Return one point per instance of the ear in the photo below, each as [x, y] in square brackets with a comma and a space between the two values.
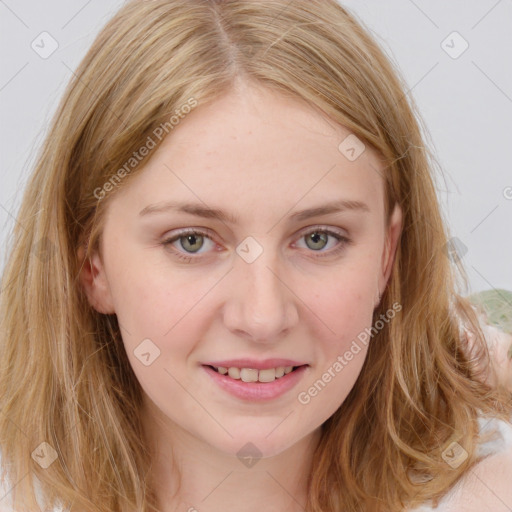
[94, 282]
[392, 237]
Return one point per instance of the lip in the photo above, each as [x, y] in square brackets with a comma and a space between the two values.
[257, 391]
[255, 364]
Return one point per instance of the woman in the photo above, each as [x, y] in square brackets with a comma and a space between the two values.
[230, 287]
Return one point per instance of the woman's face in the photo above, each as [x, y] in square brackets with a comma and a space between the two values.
[253, 240]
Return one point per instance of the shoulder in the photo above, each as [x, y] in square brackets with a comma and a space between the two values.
[486, 486]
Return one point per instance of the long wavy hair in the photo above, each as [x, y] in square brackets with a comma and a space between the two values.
[65, 378]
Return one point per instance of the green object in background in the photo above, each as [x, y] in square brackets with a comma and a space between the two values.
[497, 305]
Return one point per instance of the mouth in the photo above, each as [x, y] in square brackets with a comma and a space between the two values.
[254, 375]
[270, 380]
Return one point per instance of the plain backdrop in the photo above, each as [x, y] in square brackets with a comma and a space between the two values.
[455, 57]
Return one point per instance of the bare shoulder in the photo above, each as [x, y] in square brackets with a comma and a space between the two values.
[485, 487]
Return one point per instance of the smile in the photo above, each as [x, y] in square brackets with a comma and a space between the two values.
[270, 379]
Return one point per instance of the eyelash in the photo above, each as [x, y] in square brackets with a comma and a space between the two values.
[344, 241]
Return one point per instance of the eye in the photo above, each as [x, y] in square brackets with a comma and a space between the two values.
[190, 241]
[318, 238]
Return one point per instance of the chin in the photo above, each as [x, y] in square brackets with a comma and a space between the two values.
[257, 444]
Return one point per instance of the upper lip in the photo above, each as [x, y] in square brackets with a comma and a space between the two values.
[254, 363]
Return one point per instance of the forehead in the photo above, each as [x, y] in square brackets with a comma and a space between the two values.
[254, 148]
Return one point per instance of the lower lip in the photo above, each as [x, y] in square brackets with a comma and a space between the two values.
[257, 391]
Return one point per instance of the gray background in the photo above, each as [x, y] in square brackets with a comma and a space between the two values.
[466, 103]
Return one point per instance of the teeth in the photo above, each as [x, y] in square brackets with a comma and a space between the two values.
[234, 373]
[253, 375]
[267, 375]
[248, 374]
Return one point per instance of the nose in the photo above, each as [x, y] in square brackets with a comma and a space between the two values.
[261, 306]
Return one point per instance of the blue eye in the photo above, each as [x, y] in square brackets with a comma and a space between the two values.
[188, 242]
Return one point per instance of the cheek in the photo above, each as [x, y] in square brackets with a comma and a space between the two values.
[153, 300]
[345, 313]
[344, 302]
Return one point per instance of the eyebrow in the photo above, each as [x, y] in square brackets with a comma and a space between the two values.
[200, 210]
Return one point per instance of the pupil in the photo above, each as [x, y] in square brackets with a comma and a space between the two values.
[192, 240]
[318, 238]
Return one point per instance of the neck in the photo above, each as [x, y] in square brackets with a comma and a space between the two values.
[189, 475]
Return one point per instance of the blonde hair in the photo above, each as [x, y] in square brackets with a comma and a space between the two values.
[66, 379]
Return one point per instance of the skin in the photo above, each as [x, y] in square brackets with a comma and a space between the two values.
[261, 157]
